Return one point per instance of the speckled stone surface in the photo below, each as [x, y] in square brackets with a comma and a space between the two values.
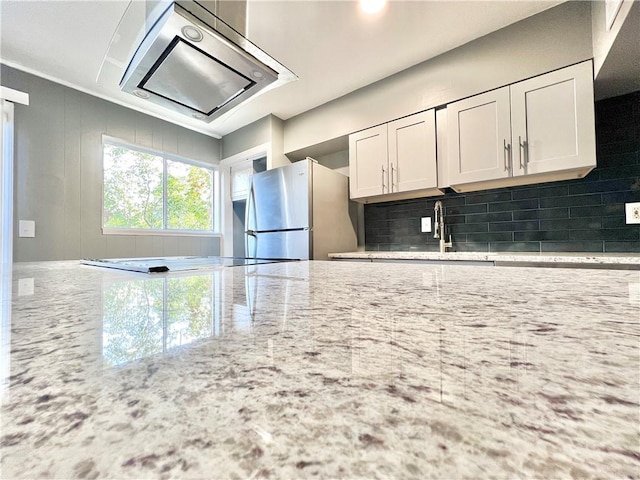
[321, 370]
[613, 260]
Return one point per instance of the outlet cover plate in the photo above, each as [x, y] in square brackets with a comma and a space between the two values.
[27, 228]
[425, 224]
[632, 212]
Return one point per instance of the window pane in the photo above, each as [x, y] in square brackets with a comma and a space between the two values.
[132, 188]
[189, 197]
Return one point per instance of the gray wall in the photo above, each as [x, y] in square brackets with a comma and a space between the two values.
[338, 161]
[277, 155]
[552, 39]
[58, 172]
[604, 39]
[247, 137]
[617, 51]
[268, 130]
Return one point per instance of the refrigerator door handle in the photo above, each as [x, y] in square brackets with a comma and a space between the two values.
[247, 217]
[253, 233]
[255, 247]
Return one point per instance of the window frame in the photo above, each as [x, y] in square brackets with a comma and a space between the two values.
[166, 156]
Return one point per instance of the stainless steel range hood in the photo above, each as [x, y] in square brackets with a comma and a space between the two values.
[193, 62]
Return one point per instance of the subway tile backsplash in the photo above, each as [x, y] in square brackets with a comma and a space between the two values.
[582, 215]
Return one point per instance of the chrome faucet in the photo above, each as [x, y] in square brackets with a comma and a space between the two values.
[439, 227]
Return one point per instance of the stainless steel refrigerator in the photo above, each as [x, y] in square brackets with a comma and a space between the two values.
[299, 211]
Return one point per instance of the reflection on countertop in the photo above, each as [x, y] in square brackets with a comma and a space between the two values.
[328, 369]
[617, 261]
[150, 316]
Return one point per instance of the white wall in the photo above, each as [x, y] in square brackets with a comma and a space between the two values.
[552, 39]
[58, 172]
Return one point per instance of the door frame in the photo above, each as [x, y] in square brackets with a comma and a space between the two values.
[226, 217]
[8, 97]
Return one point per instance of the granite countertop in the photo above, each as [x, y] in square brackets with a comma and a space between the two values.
[320, 369]
[612, 260]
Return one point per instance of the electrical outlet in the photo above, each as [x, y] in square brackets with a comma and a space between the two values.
[27, 228]
[425, 224]
[632, 212]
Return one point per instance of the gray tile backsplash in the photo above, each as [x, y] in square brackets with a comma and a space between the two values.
[582, 215]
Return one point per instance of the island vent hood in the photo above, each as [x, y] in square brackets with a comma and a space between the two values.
[198, 63]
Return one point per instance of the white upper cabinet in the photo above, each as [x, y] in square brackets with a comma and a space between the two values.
[394, 161]
[368, 164]
[412, 152]
[241, 175]
[553, 121]
[480, 134]
[537, 130]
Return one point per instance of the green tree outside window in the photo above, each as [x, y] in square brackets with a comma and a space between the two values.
[135, 198]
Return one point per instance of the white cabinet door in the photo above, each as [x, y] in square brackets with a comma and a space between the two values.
[241, 175]
[553, 121]
[480, 136]
[368, 166]
[412, 152]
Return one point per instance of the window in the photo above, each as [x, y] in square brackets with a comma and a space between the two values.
[152, 192]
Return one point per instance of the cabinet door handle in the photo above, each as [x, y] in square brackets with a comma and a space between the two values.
[383, 185]
[520, 149]
[393, 184]
[507, 148]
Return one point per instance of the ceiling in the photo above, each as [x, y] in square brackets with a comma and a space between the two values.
[332, 46]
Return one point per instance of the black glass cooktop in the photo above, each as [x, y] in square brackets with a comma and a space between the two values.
[175, 264]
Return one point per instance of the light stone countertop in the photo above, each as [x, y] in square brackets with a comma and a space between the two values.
[602, 260]
[320, 370]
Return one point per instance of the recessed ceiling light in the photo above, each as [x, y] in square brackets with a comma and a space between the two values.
[192, 33]
[372, 6]
[199, 116]
[257, 74]
[141, 94]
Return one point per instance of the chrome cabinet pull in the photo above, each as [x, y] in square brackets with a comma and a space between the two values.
[507, 149]
[393, 184]
[520, 149]
[383, 185]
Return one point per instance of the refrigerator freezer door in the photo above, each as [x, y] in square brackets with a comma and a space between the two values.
[280, 199]
[295, 244]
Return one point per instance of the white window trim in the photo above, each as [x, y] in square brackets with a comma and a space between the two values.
[158, 232]
[176, 158]
[156, 152]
